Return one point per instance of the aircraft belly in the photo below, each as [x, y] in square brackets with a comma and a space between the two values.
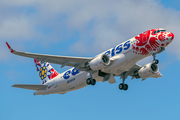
[62, 86]
[79, 81]
[45, 92]
[119, 70]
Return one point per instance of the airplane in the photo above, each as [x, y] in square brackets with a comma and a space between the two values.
[121, 60]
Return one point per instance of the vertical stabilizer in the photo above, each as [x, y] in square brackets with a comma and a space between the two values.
[45, 71]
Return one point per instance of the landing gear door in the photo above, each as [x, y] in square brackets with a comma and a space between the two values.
[111, 79]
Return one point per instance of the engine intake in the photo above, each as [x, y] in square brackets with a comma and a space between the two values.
[99, 62]
[148, 70]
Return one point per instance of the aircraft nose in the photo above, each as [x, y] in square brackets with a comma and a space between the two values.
[170, 36]
[166, 38]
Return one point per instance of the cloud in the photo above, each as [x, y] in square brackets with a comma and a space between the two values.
[15, 28]
[17, 2]
[101, 24]
[114, 22]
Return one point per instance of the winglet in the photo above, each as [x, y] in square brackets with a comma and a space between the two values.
[10, 48]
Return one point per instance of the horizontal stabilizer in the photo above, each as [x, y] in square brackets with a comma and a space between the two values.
[31, 87]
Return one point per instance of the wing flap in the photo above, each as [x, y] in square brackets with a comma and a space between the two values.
[31, 87]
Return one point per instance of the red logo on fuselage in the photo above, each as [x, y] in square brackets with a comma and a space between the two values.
[151, 40]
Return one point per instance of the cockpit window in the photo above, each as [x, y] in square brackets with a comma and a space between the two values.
[157, 31]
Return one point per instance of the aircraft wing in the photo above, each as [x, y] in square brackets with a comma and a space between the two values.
[31, 87]
[62, 60]
[131, 71]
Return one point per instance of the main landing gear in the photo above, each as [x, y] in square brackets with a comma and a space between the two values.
[123, 86]
[155, 61]
[91, 81]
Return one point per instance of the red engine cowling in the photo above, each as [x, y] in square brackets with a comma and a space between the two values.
[99, 62]
[148, 70]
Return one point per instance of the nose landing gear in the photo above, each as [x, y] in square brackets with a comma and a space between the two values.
[155, 61]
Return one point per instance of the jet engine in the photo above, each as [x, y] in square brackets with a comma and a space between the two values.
[148, 70]
[99, 62]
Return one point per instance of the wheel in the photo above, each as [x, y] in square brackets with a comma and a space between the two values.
[93, 82]
[125, 86]
[88, 81]
[156, 61]
[121, 86]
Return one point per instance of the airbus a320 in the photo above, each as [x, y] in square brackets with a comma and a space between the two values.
[121, 60]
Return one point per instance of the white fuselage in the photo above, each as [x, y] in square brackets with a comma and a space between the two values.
[123, 57]
[69, 81]
[118, 61]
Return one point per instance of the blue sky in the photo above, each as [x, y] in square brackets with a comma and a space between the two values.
[86, 28]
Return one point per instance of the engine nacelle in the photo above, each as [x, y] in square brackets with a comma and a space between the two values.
[148, 70]
[99, 62]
